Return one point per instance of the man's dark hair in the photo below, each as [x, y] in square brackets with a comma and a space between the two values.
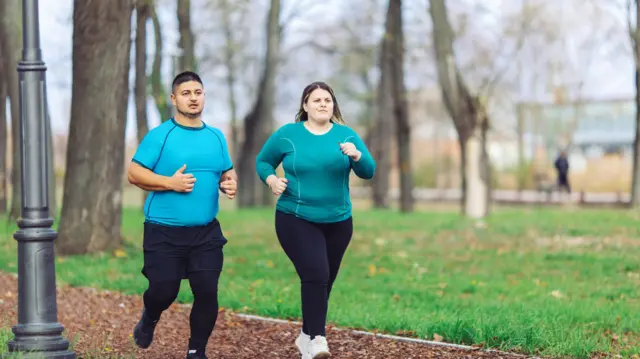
[185, 77]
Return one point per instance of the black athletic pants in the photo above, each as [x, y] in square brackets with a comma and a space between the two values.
[316, 250]
[175, 253]
[563, 182]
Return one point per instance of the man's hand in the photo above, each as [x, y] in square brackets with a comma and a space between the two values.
[181, 182]
[229, 186]
[350, 150]
[277, 185]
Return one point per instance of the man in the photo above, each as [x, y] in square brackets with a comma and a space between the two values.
[182, 163]
[562, 167]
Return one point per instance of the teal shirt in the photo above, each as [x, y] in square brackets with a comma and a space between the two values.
[204, 150]
[317, 170]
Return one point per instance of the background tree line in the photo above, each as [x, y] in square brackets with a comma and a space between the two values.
[373, 52]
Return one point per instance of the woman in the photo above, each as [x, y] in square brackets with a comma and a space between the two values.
[313, 214]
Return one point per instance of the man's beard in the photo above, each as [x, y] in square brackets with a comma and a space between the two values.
[186, 114]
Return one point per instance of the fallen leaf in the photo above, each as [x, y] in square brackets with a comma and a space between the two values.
[372, 270]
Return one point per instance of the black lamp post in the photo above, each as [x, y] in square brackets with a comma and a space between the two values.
[38, 333]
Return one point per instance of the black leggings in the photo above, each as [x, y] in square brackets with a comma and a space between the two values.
[204, 285]
[316, 250]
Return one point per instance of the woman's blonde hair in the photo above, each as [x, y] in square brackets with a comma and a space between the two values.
[302, 114]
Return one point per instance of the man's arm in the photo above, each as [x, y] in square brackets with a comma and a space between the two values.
[147, 180]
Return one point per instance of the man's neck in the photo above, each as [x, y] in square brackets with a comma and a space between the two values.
[188, 121]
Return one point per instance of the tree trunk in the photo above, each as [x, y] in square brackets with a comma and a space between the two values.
[187, 59]
[258, 124]
[521, 172]
[11, 38]
[400, 106]
[157, 87]
[229, 52]
[477, 172]
[92, 205]
[3, 140]
[468, 115]
[142, 15]
[385, 125]
[635, 180]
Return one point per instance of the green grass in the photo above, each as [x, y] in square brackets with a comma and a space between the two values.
[5, 336]
[546, 281]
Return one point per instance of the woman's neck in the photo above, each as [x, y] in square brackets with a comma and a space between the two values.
[318, 128]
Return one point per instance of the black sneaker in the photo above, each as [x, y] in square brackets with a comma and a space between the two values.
[143, 332]
[196, 354]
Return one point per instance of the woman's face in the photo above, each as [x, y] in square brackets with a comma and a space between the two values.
[319, 106]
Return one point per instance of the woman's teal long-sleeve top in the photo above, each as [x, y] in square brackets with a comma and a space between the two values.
[316, 169]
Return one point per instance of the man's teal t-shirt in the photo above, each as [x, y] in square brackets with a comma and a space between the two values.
[317, 170]
[205, 152]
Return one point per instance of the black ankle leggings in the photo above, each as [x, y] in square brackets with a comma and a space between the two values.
[316, 250]
[204, 285]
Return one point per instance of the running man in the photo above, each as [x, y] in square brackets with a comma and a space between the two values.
[183, 163]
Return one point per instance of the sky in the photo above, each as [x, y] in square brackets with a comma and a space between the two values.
[608, 77]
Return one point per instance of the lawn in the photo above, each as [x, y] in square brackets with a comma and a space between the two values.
[5, 336]
[557, 282]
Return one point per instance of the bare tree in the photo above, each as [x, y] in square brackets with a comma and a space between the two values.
[3, 139]
[385, 124]
[355, 50]
[393, 112]
[160, 96]
[11, 41]
[231, 55]
[92, 204]
[634, 32]
[468, 114]
[400, 104]
[232, 72]
[186, 43]
[258, 124]
[143, 8]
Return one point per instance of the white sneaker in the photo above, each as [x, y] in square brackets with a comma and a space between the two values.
[303, 342]
[318, 348]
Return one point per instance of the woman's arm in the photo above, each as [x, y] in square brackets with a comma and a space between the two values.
[269, 158]
[365, 166]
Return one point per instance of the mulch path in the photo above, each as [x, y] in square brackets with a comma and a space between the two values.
[100, 324]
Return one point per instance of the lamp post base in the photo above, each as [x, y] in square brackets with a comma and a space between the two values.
[40, 355]
[42, 341]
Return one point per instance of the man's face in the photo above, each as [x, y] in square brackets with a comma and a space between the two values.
[188, 98]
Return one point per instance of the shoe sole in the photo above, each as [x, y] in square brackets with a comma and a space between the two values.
[323, 355]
